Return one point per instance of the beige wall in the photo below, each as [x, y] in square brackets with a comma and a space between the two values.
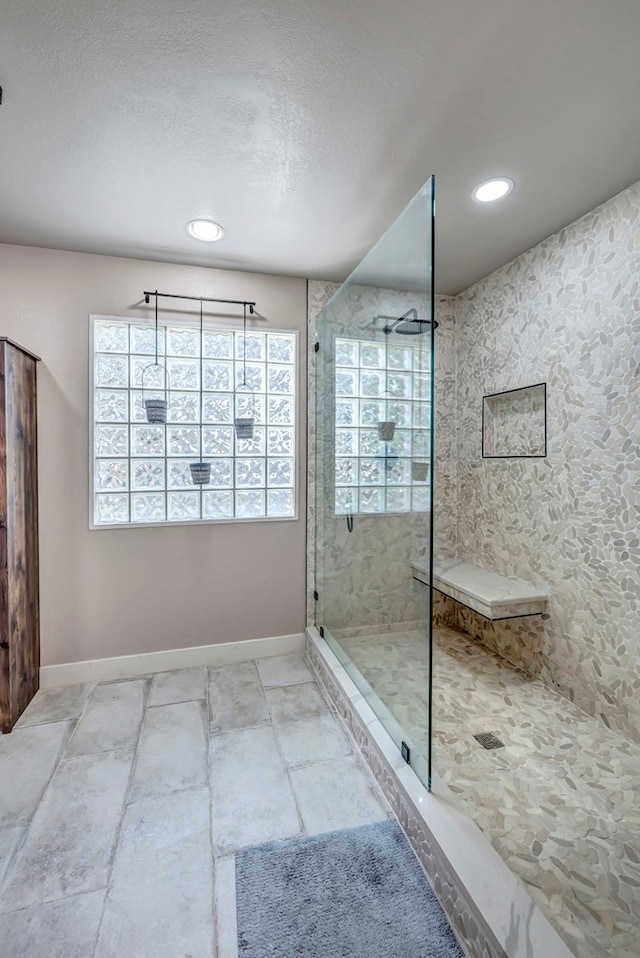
[114, 592]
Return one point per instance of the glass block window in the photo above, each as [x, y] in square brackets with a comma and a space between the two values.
[382, 427]
[140, 470]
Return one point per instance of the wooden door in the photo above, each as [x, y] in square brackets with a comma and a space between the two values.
[5, 687]
[19, 573]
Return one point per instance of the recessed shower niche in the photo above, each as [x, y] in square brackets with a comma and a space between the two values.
[514, 423]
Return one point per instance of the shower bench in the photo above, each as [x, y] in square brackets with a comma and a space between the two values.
[492, 595]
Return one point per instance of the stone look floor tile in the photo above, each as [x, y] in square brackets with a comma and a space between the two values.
[10, 839]
[183, 685]
[28, 757]
[226, 923]
[111, 720]
[69, 844]
[284, 670]
[295, 702]
[160, 899]
[172, 753]
[59, 929]
[55, 705]
[251, 796]
[313, 740]
[236, 698]
[306, 729]
[336, 794]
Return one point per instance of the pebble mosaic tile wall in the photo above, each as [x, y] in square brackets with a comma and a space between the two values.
[446, 448]
[567, 312]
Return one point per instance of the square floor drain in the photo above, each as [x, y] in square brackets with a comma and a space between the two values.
[488, 740]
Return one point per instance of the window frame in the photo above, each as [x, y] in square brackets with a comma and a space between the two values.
[232, 327]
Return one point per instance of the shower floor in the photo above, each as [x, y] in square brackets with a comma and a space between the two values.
[560, 802]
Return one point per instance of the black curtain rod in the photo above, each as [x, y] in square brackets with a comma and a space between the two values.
[199, 299]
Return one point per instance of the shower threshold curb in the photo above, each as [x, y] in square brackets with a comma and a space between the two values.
[490, 911]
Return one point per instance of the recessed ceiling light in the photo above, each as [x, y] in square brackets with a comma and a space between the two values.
[492, 190]
[205, 230]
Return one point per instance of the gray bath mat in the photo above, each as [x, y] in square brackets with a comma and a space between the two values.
[357, 893]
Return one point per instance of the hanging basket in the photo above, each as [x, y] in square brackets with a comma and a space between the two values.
[200, 473]
[419, 471]
[386, 431]
[244, 427]
[156, 409]
[386, 427]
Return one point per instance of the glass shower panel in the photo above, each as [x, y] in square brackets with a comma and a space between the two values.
[374, 414]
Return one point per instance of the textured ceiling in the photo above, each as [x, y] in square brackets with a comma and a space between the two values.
[305, 126]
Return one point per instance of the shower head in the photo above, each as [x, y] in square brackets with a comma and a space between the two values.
[407, 325]
[410, 327]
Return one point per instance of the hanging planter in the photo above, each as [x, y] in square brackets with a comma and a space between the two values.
[200, 473]
[244, 425]
[419, 471]
[156, 408]
[386, 427]
[386, 431]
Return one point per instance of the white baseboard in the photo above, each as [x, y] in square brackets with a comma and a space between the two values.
[129, 666]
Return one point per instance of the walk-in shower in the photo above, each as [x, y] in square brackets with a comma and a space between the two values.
[494, 685]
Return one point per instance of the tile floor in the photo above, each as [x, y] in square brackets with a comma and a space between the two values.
[122, 805]
[560, 802]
